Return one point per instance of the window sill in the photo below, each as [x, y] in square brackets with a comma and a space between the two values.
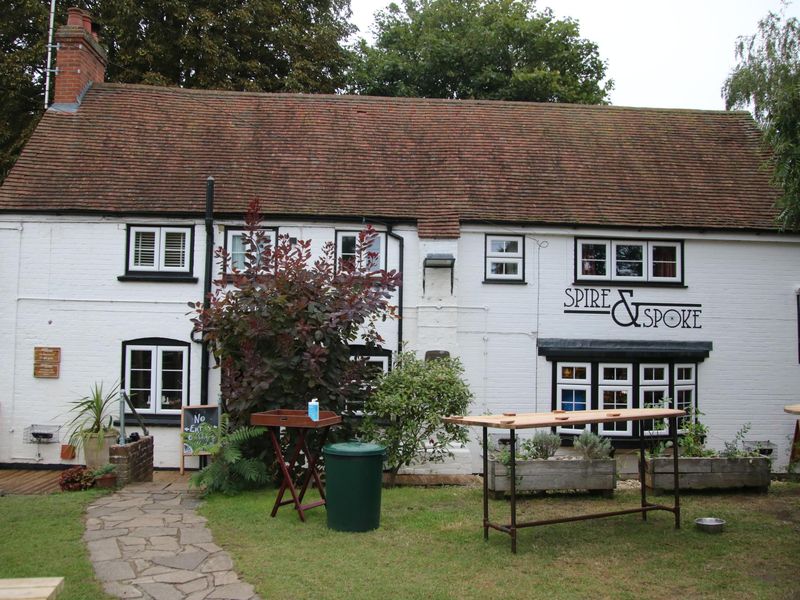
[629, 284]
[150, 419]
[160, 277]
[505, 281]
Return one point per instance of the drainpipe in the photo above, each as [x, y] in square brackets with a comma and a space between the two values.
[207, 282]
[400, 241]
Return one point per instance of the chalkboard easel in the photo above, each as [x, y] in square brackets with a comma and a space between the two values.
[191, 418]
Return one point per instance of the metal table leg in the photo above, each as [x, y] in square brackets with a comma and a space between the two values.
[673, 428]
[485, 484]
[513, 529]
[642, 467]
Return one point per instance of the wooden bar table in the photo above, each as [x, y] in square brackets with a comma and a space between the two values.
[514, 421]
[296, 423]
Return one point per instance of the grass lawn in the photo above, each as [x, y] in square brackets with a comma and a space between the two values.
[430, 545]
[41, 536]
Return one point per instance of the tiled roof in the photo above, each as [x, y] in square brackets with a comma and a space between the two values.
[148, 150]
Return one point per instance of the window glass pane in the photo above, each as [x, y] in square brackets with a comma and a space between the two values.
[684, 373]
[615, 373]
[654, 374]
[593, 259]
[665, 261]
[653, 398]
[615, 400]
[578, 373]
[141, 359]
[236, 251]
[630, 260]
[140, 379]
[171, 399]
[573, 399]
[504, 246]
[172, 359]
[140, 398]
[504, 268]
[171, 380]
[174, 249]
[348, 245]
[144, 249]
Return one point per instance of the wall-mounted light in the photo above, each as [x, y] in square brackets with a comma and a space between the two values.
[438, 261]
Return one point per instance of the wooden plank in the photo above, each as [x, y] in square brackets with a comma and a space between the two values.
[31, 588]
[562, 418]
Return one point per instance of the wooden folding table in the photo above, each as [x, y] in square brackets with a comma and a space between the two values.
[514, 421]
[297, 423]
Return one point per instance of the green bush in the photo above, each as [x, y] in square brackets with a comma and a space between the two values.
[591, 446]
[405, 411]
[544, 444]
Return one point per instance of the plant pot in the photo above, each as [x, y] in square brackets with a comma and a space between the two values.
[67, 451]
[709, 473]
[540, 475]
[95, 448]
[107, 481]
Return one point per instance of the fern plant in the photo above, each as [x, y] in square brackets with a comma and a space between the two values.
[592, 446]
[229, 471]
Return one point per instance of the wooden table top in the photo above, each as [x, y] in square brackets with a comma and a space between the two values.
[33, 588]
[793, 409]
[562, 418]
[294, 418]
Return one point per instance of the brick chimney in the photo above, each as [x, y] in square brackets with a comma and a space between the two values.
[80, 59]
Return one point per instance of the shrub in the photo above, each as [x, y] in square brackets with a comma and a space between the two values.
[592, 446]
[544, 444]
[405, 411]
[75, 479]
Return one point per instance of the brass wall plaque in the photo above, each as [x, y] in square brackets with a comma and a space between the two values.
[46, 362]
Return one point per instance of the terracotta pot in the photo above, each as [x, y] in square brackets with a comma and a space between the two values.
[67, 451]
[107, 481]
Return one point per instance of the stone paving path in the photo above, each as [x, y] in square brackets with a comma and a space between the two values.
[146, 541]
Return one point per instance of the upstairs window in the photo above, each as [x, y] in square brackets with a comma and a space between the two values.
[505, 258]
[629, 261]
[237, 246]
[159, 249]
[347, 244]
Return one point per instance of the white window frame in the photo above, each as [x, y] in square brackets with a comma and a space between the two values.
[379, 239]
[611, 260]
[666, 403]
[644, 382]
[645, 261]
[579, 274]
[233, 232]
[575, 380]
[515, 258]
[678, 261]
[159, 253]
[155, 376]
[685, 385]
[575, 383]
[615, 382]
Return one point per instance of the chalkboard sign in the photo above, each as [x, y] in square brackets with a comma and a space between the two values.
[191, 419]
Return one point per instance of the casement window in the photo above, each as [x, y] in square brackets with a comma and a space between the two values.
[505, 258]
[654, 393]
[346, 250]
[573, 390]
[615, 388]
[379, 362]
[628, 261]
[159, 249]
[237, 247]
[156, 376]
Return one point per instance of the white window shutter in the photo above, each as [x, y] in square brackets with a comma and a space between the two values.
[144, 248]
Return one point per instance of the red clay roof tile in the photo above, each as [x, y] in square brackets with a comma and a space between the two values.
[148, 150]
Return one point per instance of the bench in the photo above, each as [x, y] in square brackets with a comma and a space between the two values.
[31, 588]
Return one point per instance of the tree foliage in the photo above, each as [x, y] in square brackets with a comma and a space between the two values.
[767, 80]
[252, 45]
[281, 327]
[405, 411]
[491, 49]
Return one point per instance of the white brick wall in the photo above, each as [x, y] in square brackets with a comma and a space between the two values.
[61, 289]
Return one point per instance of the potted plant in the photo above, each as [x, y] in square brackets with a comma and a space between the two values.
[105, 477]
[91, 427]
[68, 451]
[538, 469]
[75, 479]
[700, 468]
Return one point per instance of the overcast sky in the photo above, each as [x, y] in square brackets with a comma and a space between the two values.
[660, 53]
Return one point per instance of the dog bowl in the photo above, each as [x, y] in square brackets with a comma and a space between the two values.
[710, 524]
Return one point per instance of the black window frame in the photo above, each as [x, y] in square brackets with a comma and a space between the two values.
[578, 279]
[160, 276]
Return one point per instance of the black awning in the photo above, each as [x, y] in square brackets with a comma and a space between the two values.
[634, 350]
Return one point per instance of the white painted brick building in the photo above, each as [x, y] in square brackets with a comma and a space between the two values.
[602, 256]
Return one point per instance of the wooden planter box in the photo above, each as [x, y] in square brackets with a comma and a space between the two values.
[540, 475]
[709, 473]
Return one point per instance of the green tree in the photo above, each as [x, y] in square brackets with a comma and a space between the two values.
[490, 49]
[405, 411]
[767, 81]
[252, 45]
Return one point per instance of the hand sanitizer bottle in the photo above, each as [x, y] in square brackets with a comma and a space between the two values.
[313, 410]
